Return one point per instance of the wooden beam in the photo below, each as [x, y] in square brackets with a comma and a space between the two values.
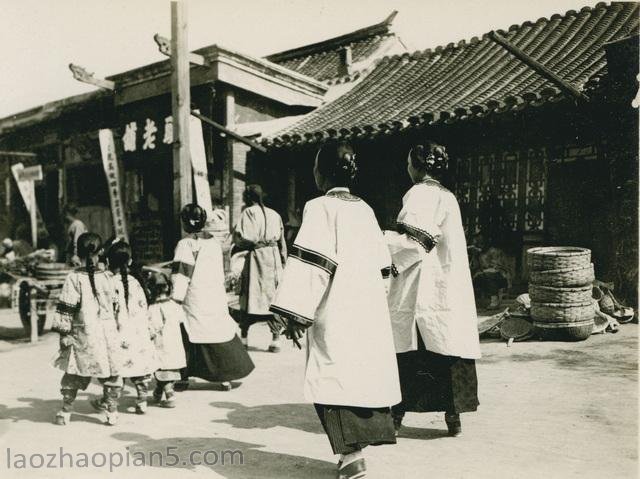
[535, 65]
[228, 132]
[180, 108]
[17, 153]
[164, 45]
[81, 74]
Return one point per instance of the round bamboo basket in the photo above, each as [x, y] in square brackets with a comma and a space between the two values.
[558, 257]
[571, 331]
[563, 278]
[562, 312]
[551, 294]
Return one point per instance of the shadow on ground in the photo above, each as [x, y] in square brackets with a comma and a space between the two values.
[592, 356]
[250, 461]
[13, 334]
[424, 434]
[294, 416]
[44, 410]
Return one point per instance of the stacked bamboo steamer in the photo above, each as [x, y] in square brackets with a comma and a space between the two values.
[560, 288]
[52, 272]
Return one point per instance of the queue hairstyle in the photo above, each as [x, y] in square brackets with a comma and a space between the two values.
[119, 255]
[89, 245]
[337, 162]
[253, 195]
[431, 158]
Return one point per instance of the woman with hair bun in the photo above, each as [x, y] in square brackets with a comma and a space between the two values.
[89, 336]
[333, 288]
[431, 299]
[214, 351]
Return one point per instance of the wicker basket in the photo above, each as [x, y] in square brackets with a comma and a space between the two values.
[550, 294]
[563, 278]
[573, 331]
[563, 312]
[558, 257]
[516, 328]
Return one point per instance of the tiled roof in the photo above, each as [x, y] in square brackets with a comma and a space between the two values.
[322, 60]
[471, 78]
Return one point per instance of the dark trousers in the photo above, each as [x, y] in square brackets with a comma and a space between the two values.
[71, 383]
[432, 382]
[351, 428]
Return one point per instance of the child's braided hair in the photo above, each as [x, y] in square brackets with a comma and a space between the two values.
[119, 256]
[89, 245]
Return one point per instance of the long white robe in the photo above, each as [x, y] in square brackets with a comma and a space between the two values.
[198, 283]
[333, 283]
[432, 290]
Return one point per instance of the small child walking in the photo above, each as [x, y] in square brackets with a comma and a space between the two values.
[132, 313]
[166, 316]
[89, 337]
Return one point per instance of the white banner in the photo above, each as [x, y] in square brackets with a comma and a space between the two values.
[26, 187]
[110, 164]
[27, 190]
[199, 166]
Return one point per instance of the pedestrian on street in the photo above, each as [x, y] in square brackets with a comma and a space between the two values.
[74, 230]
[166, 316]
[259, 233]
[431, 299]
[136, 332]
[214, 351]
[89, 336]
[333, 288]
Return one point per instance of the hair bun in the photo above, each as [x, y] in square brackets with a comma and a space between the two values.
[430, 157]
[347, 162]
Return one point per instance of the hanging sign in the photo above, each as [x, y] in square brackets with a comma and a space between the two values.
[25, 179]
[199, 165]
[110, 164]
[31, 173]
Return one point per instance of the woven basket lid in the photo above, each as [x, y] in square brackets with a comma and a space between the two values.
[517, 328]
[486, 323]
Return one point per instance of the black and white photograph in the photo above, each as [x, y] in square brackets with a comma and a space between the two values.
[319, 239]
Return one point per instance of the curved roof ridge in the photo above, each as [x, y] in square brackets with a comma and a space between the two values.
[414, 89]
[504, 32]
[381, 28]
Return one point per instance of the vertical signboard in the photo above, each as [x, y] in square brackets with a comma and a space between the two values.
[199, 166]
[110, 164]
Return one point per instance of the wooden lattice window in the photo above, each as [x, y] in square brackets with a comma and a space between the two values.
[508, 187]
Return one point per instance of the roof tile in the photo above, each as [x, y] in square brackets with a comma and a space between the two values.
[472, 78]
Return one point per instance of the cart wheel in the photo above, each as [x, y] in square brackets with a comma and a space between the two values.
[24, 306]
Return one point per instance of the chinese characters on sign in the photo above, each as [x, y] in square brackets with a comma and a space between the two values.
[150, 134]
[110, 164]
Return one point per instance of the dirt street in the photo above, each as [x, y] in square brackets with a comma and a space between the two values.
[548, 410]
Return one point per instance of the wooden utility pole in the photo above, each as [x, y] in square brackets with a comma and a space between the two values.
[180, 108]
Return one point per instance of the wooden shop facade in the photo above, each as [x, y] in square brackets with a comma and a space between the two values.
[538, 157]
